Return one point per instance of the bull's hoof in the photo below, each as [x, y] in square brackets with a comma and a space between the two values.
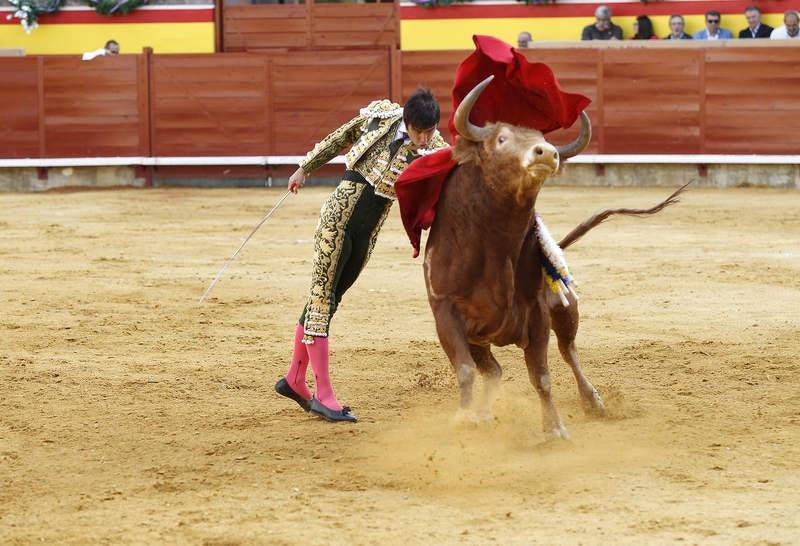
[466, 417]
[557, 433]
[593, 405]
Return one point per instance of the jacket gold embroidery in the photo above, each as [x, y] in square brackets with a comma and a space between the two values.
[369, 135]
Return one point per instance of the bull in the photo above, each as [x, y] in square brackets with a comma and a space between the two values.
[483, 262]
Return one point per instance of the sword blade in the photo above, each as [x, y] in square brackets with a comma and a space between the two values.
[229, 261]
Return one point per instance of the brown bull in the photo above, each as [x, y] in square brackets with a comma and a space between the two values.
[483, 267]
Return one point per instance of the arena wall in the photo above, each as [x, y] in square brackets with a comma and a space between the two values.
[647, 98]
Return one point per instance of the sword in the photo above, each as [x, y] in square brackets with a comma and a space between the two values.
[241, 246]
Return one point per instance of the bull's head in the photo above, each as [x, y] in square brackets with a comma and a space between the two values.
[511, 158]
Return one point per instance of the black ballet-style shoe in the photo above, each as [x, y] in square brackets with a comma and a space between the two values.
[318, 409]
[283, 388]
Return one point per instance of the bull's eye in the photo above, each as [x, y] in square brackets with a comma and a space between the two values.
[501, 139]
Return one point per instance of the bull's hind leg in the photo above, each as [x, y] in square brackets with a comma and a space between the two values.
[565, 325]
[539, 373]
[492, 374]
[450, 329]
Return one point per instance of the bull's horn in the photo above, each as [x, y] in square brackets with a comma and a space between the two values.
[577, 146]
[463, 126]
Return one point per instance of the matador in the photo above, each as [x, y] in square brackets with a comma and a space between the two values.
[384, 138]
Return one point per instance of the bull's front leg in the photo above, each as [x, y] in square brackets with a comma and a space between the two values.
[452, 336]
[539, 373]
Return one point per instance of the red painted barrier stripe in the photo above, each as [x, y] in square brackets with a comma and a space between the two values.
[462, 11]
[72, 17]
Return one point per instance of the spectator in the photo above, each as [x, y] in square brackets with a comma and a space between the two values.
[755, 29]
[790, 28]
[643, 29]
[603, 28]
[713, 30]
[524, 40]
[676, 26]
[111, 48]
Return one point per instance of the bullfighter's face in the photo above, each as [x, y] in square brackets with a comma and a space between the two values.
[421, 137]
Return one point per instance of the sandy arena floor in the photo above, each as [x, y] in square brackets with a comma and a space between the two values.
[131, 414]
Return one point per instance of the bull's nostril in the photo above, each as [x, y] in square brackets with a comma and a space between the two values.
[538, 150]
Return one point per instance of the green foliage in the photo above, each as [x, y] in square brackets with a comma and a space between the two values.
[28, 11]
[115, 7]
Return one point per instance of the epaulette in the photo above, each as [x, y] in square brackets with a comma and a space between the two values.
[382, 109]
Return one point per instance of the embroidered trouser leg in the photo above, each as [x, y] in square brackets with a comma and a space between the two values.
[348, 227]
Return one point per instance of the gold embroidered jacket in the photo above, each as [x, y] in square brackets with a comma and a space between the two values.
[369, 135]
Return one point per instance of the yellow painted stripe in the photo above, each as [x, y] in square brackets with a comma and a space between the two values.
[132, 37]
[439, 34]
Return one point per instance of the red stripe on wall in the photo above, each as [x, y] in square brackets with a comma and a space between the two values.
[138, 16]
[460, 11]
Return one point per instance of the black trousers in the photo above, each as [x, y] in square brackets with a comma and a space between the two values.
[348, 228]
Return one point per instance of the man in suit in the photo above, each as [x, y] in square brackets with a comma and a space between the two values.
[755, 28]
[384, 138]
[676, 26]
[713, 30]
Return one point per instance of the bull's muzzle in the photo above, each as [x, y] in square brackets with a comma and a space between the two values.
[542, 158]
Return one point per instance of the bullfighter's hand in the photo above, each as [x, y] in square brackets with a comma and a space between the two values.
[297, 180]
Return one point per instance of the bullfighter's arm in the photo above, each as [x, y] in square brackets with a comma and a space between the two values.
[331, 145]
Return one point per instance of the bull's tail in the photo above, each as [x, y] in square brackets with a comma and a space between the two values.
[594, 221]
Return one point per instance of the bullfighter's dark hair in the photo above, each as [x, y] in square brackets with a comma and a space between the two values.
[421, 110]
[715, 13]
[108, 43]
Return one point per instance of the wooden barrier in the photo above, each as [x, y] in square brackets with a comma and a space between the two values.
[310, 25]
[266, 104]
[60, 106]
[659, 100]
[19, 107]
[699, 99]
[202, 104]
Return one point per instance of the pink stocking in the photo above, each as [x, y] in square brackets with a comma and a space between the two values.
[296, 376]
[318, 352]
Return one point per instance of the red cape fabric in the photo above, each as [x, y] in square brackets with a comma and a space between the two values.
[418, 191]
[522, 93]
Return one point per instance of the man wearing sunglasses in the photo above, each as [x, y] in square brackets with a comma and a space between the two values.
[713, 30]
